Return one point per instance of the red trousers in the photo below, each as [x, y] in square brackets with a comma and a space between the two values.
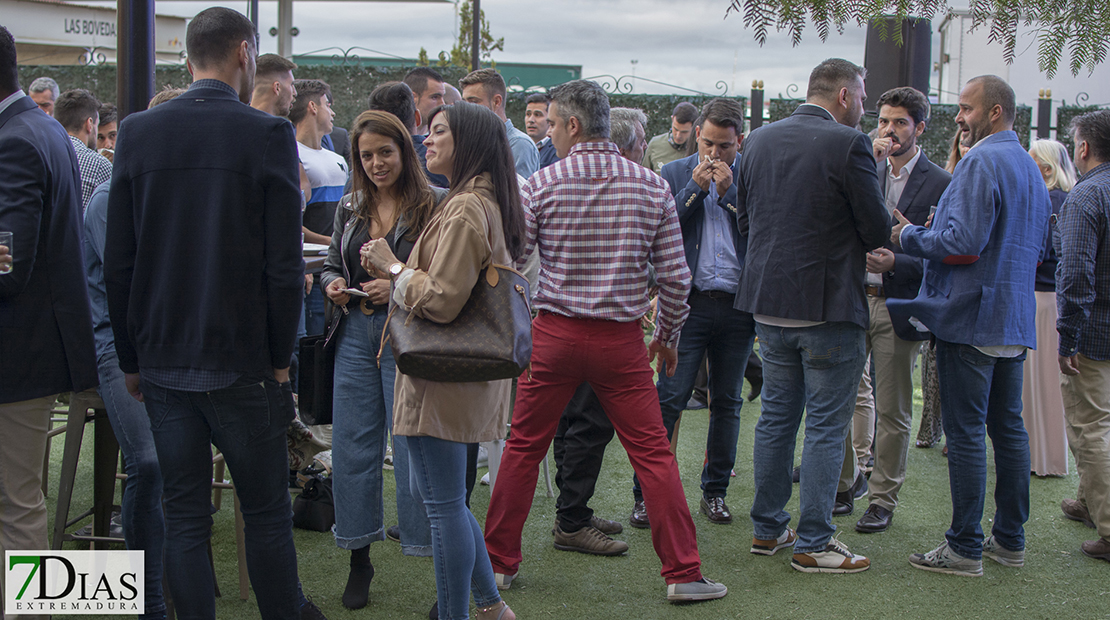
[612, 357]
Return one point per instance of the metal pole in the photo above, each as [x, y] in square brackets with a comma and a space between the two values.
[252, 12]
[756, 104]
[476, 32]
[134, 56]
[285, 28]
[1044, 114]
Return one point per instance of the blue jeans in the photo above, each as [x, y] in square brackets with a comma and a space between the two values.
[815, 369]
[247, 422]
[727, 334]
[314, 309]
[362, 412]
[458, 547]
[981, 395]
[143, 528]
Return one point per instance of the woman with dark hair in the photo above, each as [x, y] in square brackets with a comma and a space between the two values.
[481, 223]
[391, 202]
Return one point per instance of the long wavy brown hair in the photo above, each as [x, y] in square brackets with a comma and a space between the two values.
[416, 202]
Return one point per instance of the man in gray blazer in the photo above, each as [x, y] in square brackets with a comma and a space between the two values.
[809, 203]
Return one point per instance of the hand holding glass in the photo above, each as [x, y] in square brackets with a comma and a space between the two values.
[5, 252]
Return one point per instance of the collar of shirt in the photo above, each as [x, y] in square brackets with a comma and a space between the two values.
[546, 140]
[906, 169]
[593, 147]
[10, 99]
[79, 146]
[217, 84]
[1092, 173]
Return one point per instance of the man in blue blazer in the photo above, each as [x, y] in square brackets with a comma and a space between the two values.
[46, 342]
[809, 203]
[982, 251]
[704, 188]
[204, 278]
[911, 184]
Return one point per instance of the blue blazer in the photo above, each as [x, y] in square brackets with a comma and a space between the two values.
[46, 340]
[689, 199]
[923, 190]
[809, 203]
[982, 249]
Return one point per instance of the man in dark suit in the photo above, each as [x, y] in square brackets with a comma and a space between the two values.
[46, 341]
[204, 280]
[911, 184]
[810, 205]
[704, 188]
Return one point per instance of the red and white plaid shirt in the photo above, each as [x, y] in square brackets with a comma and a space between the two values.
[597, 221]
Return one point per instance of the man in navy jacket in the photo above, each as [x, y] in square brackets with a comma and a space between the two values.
[981, 251]
[204, 279]
[911, 184]
[809, 202]
[704, 188]
[46, 341]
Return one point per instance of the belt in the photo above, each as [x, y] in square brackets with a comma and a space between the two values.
[365, 305]
[713, 294]
[874, 291]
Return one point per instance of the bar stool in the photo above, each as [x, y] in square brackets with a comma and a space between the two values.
[83, 408]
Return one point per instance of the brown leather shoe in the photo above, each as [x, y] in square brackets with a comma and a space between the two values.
[1076, 511]
[605, 526]
[588, 540]
[715, 509]
[1097, 549]
[639, 516]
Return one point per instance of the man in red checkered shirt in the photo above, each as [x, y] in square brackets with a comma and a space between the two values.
[598, 221]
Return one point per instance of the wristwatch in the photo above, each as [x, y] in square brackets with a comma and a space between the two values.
[395, 270]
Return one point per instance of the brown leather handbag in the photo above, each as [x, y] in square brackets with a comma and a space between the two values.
[490, 339]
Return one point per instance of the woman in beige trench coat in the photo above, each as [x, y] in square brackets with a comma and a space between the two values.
[480, 223]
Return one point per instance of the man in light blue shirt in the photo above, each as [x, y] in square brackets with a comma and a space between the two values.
[486, 87]
[704, 187]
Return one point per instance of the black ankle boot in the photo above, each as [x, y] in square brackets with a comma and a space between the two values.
[357, 593]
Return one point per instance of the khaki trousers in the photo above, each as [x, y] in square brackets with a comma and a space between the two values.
[22, 506]
[893, 408]
[1087, 412]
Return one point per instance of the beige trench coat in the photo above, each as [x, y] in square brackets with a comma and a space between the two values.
[463, 238]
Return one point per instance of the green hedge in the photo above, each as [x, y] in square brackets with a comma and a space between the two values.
[351, 85]
[1064, 116]
[937, 139]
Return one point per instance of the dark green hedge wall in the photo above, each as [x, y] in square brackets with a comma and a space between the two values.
[350, 85]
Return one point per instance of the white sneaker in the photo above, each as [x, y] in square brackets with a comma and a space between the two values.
[771, 547]
[485, 480]
[834, 559]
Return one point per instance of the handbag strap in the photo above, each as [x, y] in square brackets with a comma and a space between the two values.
[385, 334]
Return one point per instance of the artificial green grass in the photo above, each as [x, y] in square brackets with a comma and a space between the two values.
[1057, 580]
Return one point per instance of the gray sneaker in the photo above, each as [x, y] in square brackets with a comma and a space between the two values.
[1002, 555]
[944, 560]
[701, 590]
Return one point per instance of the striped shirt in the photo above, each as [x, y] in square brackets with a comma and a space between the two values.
[597, 221]
[1083, 274]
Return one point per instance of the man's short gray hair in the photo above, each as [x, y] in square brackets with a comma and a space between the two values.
[585, 101]
[622, 126]
[43, 84]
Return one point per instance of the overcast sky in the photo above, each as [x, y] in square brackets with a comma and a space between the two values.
[685, 42]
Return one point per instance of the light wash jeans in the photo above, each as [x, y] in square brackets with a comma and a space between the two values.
[362, 413]
[815, 369]
[141, 511]
[458, 548]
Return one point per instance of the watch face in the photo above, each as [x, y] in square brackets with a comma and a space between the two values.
[396, 269]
